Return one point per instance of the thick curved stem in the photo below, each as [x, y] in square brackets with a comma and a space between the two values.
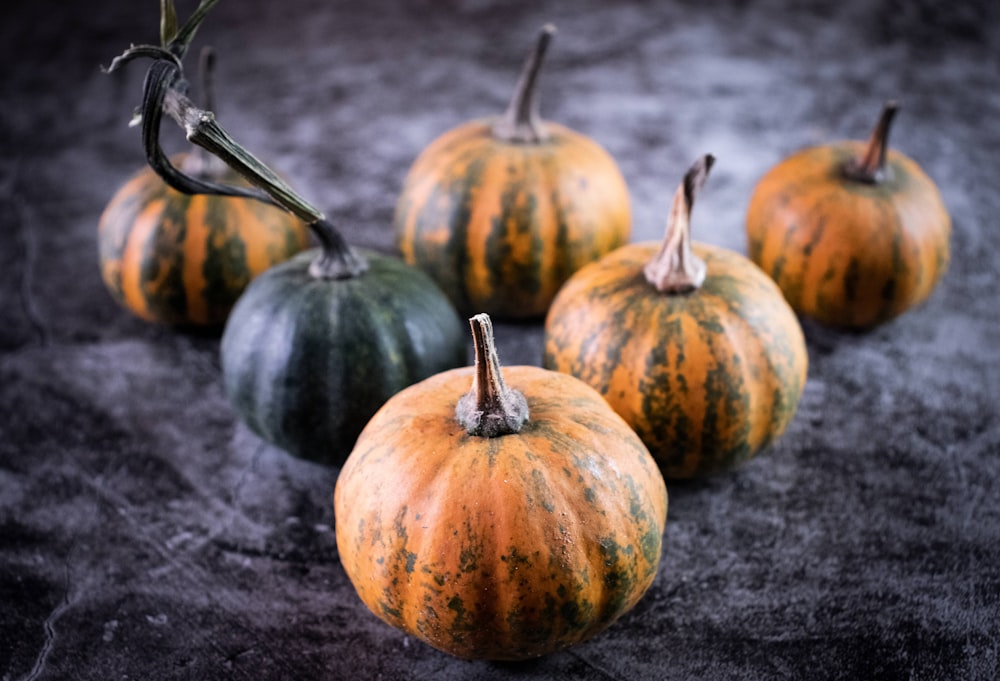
[522, 122]
[337, 260]
[870, 167]
[490, 408]
[675, 268]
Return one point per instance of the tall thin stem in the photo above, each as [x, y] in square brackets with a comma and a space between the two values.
[522, 122]
[870, 167]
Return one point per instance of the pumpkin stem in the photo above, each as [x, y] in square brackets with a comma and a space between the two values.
[521, 123]
[197, 162]
[870, 166]
[164, 92]
[675, 268]
[490, 408]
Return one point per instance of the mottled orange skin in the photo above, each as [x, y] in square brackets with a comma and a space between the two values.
[847, 253]
[706, 378]
[184, 260]
[501, 225]
[500, 548]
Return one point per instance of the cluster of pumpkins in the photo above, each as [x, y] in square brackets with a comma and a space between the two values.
[506, 513]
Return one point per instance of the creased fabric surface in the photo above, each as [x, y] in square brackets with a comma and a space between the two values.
[145, 533]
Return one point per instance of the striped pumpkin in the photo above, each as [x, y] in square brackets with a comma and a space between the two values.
[501, 212]
[499, 542]
[854, 233]
[307, 360]
[184, 260]
[693, 345]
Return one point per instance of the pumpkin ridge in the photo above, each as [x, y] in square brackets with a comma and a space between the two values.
[161, 271]
[762, 377]
[462, 231]
[779, 387]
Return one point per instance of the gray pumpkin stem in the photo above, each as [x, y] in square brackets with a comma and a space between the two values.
[675, 268]
[522, 122]
[870, 167]
[490, 408]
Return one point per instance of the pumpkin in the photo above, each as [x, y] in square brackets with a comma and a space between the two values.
[505, 520]
[307, 360]
[854, 233]
[184, 259]
[501, 211]
[692, 344]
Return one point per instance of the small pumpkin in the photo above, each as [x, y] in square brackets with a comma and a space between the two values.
[501, 211]
[854, 233]
[307, 360]
[183, 259]
[692, 344]
[503, 521]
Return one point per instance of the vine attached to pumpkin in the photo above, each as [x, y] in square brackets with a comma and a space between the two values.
[315, 345]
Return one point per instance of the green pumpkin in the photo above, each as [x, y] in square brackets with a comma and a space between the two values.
[307, 360]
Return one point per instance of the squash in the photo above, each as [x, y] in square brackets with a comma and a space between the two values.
[503, 521]
[182, 259]
[854, 233]
[306, 361]
[501, 211]
[692, 344]
[315, 344]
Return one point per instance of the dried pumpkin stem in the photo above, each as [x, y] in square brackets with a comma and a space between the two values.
[490, 408]
[675, 268]
[521, 122]
[870, 167]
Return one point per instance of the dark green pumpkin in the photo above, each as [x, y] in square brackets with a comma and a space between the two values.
[307, 361]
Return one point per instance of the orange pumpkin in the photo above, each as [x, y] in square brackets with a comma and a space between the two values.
[501, 212]
[692, 344]
[184, 259]
[503, 522]
[853, 233]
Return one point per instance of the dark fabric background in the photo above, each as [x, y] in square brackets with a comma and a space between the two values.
[145, 533]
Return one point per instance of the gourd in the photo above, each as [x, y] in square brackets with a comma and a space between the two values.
[505, 520]
[182, 259]
[316, 344]
[307, 360]
[501, 211]
[692, 344]
[854, 233]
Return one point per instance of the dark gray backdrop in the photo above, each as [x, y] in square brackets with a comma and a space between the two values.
[146, 534]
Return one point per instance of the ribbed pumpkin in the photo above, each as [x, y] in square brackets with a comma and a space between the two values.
[184, 260]
[691, 343]
[306, 360]
[853, 233]
[501, 211]
[505, 521]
